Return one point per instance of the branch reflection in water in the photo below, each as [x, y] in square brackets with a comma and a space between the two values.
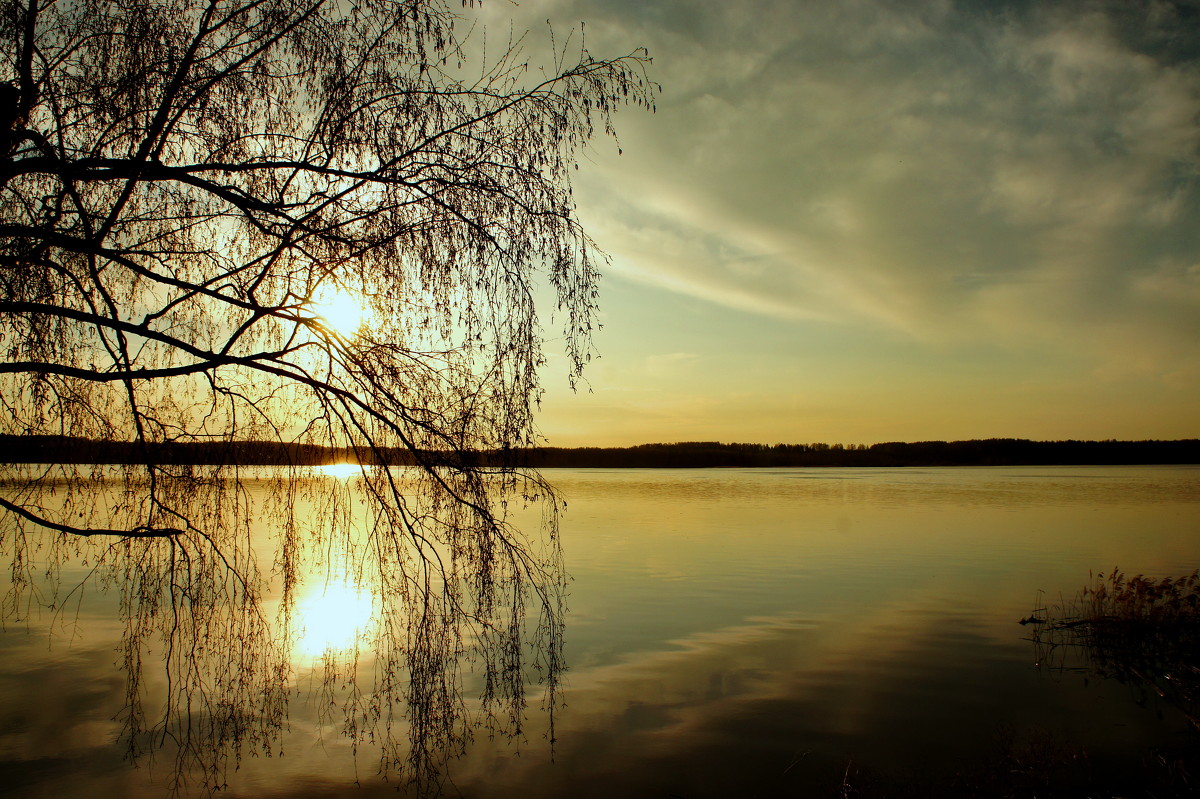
[417, 628]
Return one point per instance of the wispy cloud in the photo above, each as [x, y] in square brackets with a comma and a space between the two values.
[1022, 175]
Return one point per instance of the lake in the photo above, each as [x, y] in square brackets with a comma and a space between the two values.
[769, 632]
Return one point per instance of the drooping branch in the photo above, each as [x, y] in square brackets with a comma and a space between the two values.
[88, 532]
[187, 185]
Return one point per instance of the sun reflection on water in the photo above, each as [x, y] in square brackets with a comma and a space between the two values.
[341, 470]
[332, 618]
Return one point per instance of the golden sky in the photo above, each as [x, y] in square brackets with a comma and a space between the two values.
[867, 221]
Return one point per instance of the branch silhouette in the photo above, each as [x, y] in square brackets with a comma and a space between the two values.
[183, 183]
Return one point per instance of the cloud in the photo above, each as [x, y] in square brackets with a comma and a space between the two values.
[671, 362]
[1019, 177]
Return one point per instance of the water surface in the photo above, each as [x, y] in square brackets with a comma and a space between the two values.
[733, 633]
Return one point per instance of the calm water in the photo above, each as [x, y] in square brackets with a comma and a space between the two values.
[733, 633]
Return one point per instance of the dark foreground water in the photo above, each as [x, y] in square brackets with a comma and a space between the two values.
[780, 632]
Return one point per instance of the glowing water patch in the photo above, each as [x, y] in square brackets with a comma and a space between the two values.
[341, 470]
[331, 618]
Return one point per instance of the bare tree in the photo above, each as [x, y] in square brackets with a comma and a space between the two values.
[188, 189]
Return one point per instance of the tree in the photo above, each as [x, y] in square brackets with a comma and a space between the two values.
[189, 190]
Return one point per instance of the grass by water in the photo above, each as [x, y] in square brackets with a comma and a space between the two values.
[1141, 631]
[1137, 630]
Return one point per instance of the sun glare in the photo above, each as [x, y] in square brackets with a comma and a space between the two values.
[340, 470]
[341, 311]
[331, 619]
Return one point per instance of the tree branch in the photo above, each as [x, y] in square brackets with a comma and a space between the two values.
[88, 532]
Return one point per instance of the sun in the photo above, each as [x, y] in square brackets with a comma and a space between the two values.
[340, 310]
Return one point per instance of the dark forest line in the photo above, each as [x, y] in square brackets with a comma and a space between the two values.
[693, 454]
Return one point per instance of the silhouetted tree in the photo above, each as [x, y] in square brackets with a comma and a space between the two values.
[189, 188]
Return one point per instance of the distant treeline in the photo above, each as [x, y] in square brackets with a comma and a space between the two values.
[988, 452]
[66, 449]
[692, 454]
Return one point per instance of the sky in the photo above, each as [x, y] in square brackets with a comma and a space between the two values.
[870, 221]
